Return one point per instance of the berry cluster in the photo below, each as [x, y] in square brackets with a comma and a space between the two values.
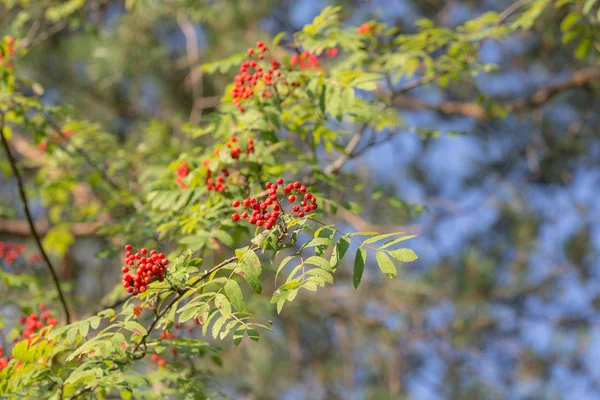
[3, 360]
[267, 212]
[35, 323]
[217, 184]
[160, 361]
[305, 59]
[217, 180]
[365, 28]
[235, 148]
[182, 171]
[149, 266]
[10, 251]
[56, 138]
[251, 73]
[170, 335]
[10, 50]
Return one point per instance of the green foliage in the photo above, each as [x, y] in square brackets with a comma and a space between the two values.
[144, 195]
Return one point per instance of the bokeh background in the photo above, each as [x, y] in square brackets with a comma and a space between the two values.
[503, 302]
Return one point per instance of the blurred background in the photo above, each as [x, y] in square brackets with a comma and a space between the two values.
[503, 302]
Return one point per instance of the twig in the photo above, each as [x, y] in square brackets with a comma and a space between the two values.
[35, 234]
[193, 56]
[538, 98]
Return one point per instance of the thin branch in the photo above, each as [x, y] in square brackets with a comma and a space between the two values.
[537, 99]
[193, 56]
[21, 227]
[35, 234]
[348, 151]
[510, 10]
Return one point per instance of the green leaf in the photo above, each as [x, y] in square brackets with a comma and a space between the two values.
[395, 241]
[283, 264]
[587, 7]
[569, 21]
[135, 327]
[253, 334]
[233, 291]
[359, 266]
[278, 38]
[72, 334]
[319, 262]
[326, 276]
[118, 341]
[583, 48]
[385, 264]
[218, 325]
[380, 237]
[223, 237]
[94, 322]
[251, 279]
[322, 98]
[238, 335]
[84, 328]
[404, 255]
[223, 304]
[339, 252]
[252, 262]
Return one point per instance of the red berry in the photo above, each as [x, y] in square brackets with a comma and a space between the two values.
[297, 185]
[260, 222]
[236, 203]
[300, 214]
[235, 217]
[124, 269]
[244, 215]
[291, 198]
[155, 357]
[128, 247]
[143, 251]
[280, 181]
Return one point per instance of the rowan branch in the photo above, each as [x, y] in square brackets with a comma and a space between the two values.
[193, 56]
[19, 227]
[27, 212]
[469, 109]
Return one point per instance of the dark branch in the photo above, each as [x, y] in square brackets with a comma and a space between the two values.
[35, 234]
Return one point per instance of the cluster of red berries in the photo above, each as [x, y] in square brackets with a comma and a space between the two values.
[251, 73]
[35, 323]
[365, 28]
[3, 360]
[182, 171]
[10, 251]
[160, 361]
[170, 335]
[306, 60]
[218, 183]
[267, 212]
[56, 138]
[216, 180]
[149, 266]
[10, 50]
[235, 150]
